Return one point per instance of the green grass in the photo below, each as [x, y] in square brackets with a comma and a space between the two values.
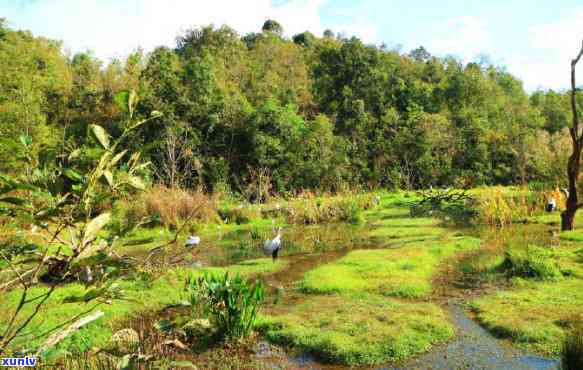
[138, 297]
[402, 272]
[250, 267]
[534, 314]
[393, 224]
[358, 330]
[573, 235]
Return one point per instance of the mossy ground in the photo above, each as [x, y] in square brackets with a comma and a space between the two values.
[402, 272]
[358, 329]
[369, 307]
[534, 314]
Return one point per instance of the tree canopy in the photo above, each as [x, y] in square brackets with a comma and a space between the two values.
[307, 112]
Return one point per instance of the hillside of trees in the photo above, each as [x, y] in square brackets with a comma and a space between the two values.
[262, 111]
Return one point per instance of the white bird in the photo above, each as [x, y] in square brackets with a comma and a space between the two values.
[376, 200]
[271, 247]
[192, 241]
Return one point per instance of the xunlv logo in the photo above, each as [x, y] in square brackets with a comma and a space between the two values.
[19, 361]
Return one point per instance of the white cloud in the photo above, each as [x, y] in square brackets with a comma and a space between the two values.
[368, 33]
[115, 30]
[553, 45]
[464, 36]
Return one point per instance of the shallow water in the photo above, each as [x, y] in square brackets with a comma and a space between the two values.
[306, 247]
[472, 347]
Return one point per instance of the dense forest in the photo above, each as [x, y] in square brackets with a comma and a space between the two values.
[262, 113]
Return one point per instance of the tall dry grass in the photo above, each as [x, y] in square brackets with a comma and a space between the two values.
[309, 209]
[499, 206]
[173, 206]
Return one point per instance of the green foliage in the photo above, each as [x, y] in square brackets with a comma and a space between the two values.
[231, 302]
[449, 204]
[83, 254]
[311, 113]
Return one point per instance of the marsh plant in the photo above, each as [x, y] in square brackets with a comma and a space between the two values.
[498, 206]
[531, 262]
[572, 350]
[231, 303]
[313, 210]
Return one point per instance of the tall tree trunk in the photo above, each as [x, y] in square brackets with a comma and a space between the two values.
[573, 167]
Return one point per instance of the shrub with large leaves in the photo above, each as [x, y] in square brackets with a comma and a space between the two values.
[231, 302]
[69, 221]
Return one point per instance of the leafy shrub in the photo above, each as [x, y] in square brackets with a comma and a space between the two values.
[449, 204]
[231, 302]
[572, 350]
[531, 262]
[351, 211]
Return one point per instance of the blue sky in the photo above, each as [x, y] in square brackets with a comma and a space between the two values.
[533, 39]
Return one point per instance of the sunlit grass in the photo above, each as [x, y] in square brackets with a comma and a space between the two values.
[404, 272]
[138, 296]
[358, 330]
[534, 314]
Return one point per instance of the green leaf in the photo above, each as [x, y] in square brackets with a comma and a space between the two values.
[91, 294]
[109, 177]
[73, 175]
[122, 99]
[13, 200]
[132, 102]
[117, 158]
[100, 135]
[75, 154]
[182, 364]
[136, 183]
[125, 362]
[26, 140]
[95, 226]
[89, 251]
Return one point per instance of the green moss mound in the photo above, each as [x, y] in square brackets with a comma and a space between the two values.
[402, 272]
[534, 314]
[364, 330]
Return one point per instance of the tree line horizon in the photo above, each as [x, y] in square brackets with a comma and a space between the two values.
[262, 111]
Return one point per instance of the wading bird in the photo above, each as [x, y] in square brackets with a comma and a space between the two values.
[271, 247]
[192, 241]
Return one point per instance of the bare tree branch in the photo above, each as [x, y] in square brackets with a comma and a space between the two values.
[54, 339]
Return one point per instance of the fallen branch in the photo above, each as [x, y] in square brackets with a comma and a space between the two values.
[54, 339]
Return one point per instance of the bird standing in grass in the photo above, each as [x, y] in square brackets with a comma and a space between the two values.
[192, 241]
[271, 247]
